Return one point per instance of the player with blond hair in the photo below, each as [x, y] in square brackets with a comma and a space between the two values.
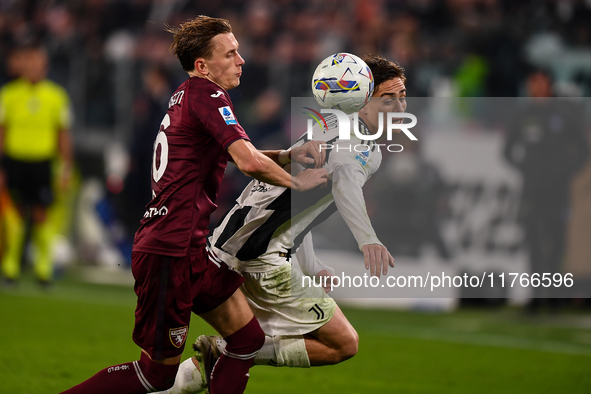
[174, 271]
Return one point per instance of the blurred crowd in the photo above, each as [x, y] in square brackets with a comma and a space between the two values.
[112, 56]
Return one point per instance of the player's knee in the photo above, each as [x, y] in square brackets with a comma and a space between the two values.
[156, 376]
[349, 346]
[248, 339]
[258, 336]
[355, 338]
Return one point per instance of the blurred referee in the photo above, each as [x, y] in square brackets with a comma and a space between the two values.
[34, 131]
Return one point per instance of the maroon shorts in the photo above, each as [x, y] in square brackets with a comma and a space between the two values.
[168, 289]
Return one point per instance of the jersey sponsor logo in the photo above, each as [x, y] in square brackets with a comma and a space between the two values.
[260, 189]
[228, 116]
[156, 212]
[178, 336]
[117, 368]
[217, 94]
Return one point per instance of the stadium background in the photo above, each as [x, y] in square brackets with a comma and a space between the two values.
[112, 57]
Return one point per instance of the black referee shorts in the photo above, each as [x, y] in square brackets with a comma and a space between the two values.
[29, 183]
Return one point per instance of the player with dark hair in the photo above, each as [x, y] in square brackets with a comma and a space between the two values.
[303, 325]
[174, 271]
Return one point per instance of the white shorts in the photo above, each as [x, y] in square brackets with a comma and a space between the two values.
[282, 305]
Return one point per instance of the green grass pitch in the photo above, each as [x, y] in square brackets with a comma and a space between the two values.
[52, 341]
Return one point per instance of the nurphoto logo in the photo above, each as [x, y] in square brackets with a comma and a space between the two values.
[393, 122]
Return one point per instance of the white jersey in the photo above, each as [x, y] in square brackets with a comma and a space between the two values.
[270, 221]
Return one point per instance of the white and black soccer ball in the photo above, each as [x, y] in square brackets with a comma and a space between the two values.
[342, 81]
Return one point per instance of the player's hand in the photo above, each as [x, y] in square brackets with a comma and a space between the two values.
[377, 259]
[309, 154]
[326, 284]
[309, 179]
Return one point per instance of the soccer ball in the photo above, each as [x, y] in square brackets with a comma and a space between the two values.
[342, 81]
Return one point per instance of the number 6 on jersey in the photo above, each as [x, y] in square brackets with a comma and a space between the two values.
[163, 142]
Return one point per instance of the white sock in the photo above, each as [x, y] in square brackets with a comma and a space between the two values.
[283, 351]
[188, 380]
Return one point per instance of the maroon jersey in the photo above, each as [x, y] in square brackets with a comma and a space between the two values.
[189, 161]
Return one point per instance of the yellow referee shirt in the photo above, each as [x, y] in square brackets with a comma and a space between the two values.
[32, 116]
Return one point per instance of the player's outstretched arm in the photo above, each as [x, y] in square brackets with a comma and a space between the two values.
[253, 163]
[347, 182]
[307, 154]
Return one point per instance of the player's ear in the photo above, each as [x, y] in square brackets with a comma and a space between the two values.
[200, 66]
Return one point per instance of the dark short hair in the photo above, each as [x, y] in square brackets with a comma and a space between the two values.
[384, 70]
[192, 39]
